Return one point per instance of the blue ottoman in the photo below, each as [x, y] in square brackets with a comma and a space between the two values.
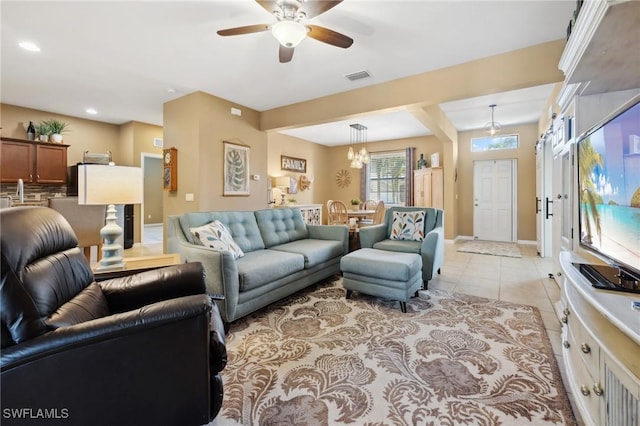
[389, 274]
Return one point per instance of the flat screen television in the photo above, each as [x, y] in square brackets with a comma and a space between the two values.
[609, 198]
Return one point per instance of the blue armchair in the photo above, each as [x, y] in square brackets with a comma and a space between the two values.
[431, 248]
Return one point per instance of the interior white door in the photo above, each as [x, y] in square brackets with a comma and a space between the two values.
[544, 161]
[494, 196]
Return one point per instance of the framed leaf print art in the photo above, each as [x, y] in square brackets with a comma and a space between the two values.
[236, 169]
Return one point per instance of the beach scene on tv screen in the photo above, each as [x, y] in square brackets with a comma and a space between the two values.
[609, 184]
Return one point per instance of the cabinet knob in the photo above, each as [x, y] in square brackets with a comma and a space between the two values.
[564, 319]
[585, 348]
[566, 311]
[566, 344]
[597, 389]
[585, 390]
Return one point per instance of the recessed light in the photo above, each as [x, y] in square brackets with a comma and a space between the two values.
[27, 45]
[91, 111]
[171, 90]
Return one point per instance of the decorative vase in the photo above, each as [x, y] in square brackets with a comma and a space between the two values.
[56, 138]
[422, 163]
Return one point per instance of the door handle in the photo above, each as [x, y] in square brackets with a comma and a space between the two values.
[548, 209]
[538, 200]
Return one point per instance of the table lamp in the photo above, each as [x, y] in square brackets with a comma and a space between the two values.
[282, 182]
[109, 185]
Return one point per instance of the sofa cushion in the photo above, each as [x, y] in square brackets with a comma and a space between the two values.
[279, 226]
[408, 225]
[242, 225]
[399, 245]
[215, 235]
[314, 251]
[261, 267]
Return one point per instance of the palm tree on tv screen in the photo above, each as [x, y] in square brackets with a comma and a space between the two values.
[588, 159]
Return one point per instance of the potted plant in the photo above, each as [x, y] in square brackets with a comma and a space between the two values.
[42, 129]
[355, 202]
[56, 128]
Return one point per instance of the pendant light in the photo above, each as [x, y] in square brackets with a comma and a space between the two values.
[492, 128]
[358, 154]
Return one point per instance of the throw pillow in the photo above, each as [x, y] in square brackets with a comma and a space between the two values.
[217, 236]
[408, 225]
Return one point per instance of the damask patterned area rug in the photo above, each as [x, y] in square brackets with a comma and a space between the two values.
[494, 248]
[319, 359]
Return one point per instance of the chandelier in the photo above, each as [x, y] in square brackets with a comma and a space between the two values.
[492, 128]
[357, 153]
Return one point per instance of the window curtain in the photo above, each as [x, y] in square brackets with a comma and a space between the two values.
[364, 181]
[411, 163]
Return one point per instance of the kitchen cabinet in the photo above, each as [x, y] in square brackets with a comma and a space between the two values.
[33, 162]
[428, 187]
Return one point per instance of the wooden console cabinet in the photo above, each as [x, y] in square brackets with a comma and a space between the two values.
[601, 349]
[311, 213]
[33, 162]
[428, 189]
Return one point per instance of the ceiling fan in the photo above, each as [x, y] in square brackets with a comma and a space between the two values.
[289, 30]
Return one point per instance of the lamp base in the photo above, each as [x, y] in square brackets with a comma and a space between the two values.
[111, 249]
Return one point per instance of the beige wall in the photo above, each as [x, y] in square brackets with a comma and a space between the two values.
[197, 124]
[317, 156]
[526, 163]
[82, 135]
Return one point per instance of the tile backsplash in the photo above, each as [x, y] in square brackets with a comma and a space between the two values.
[34, 194]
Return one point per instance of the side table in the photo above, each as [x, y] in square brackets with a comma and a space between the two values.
[134, 265]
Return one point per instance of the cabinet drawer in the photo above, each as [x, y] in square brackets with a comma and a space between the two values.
[583, 344]
[581, 382]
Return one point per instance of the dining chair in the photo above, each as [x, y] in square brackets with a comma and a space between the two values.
[377, 218]
[369, 205]
[338, 213]
[86, 221]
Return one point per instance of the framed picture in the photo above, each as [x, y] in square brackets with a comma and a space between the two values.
[236, 169]
[293, 164]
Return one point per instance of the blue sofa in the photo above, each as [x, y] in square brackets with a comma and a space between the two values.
[431, 248]
[282, 254]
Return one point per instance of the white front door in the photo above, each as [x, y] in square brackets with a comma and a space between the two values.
[494, 200]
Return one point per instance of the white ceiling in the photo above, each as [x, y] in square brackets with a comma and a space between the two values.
[125, 59]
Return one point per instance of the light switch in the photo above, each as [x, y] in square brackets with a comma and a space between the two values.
[188, 197]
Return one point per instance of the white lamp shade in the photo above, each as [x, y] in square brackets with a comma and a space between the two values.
[289, 33]
[282, 181]
[101, 184]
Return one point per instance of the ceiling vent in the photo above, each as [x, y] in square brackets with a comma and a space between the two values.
[358, 75]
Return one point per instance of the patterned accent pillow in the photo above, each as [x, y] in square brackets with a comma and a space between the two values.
[217, 236]
[408, 225]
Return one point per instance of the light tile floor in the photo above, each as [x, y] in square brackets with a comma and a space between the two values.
[520, 280]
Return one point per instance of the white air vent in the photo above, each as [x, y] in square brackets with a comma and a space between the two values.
[358, 75]
[157, 142]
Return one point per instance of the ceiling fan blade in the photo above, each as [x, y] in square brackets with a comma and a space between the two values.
[286, 53]
[245, 30]
[328, 36]
[270, 6]
[315, 8]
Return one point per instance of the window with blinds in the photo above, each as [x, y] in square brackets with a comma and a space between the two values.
[386, 177]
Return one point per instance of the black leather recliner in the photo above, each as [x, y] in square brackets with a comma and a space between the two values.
[142, 349]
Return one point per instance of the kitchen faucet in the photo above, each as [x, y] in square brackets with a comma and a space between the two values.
[20, 191]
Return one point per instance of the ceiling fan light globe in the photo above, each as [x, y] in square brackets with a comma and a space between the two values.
[289, 33]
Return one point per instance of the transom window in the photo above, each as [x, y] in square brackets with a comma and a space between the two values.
[386, 177]
[492, 143]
